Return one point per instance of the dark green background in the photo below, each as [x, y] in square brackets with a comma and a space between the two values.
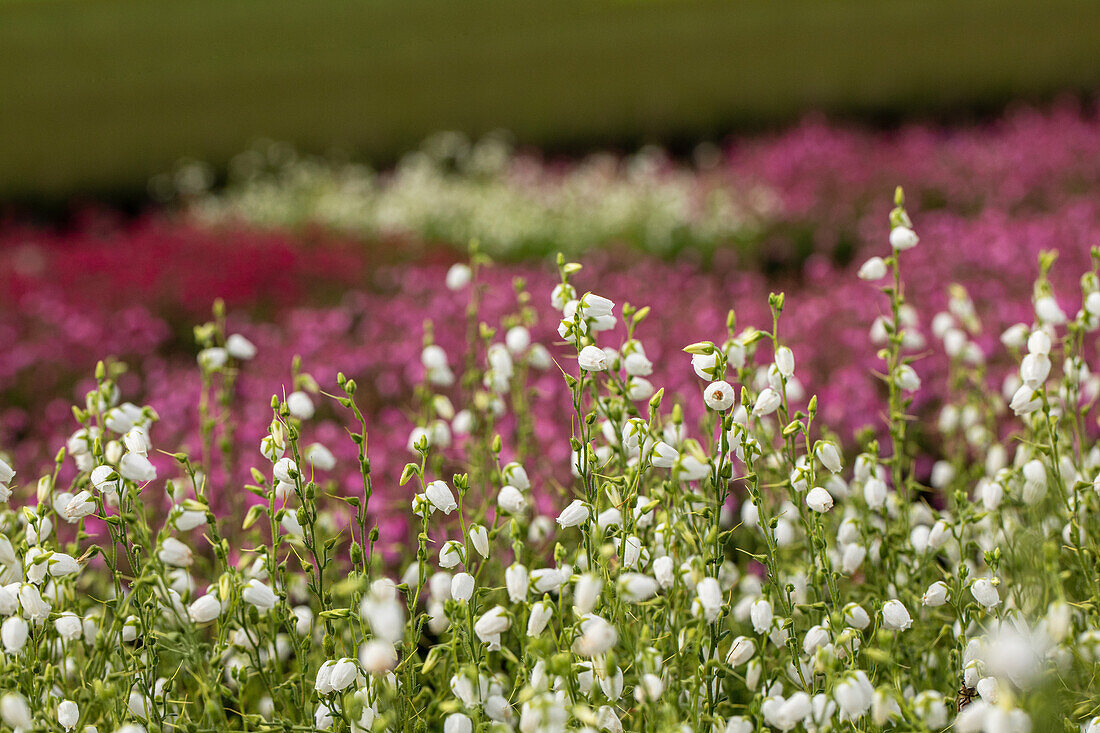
[97, 95]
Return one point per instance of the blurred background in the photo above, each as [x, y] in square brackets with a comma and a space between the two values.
[319, 166]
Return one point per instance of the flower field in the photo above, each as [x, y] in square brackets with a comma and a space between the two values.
[775, 450]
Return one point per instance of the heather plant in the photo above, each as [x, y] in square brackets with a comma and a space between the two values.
[741, 571]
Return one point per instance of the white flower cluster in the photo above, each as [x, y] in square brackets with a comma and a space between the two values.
[453, 190]
[749, 573]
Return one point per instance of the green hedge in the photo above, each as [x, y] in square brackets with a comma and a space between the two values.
[96, 95]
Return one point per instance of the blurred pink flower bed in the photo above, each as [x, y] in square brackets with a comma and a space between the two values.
[985, 200]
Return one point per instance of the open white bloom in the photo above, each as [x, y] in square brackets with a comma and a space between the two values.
[719, 395]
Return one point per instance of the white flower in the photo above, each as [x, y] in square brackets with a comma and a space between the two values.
[491, 625]
[511, 500]
[1048, 311]
[936, 595]
[767, 402]
[441, 497]
[517, 339]
[762, 616]
[79, 506]
[137, 468]
[259, 595]
[212, 358]
[175, 553]
[586, 592]
[61, 565]
[663, 571]
[592, 359]
[205, 609]
[14, 634]
[462, 587]
[719, 395]
[902, 238]
[1039, 342]
[906, 378]
[784, 361]
[575, 514]
[856, 617]
[705, 365]
[829, 456]
[854, 695]
[34, 607]
[300, 405]
[479, 538]
[285, 469]
[458, 276]
[451, 554]
[104, 478]
[67, 714]
[873, 269]
[15, 711]
[874, 492]
[664, 455]
[819, 500]
[741, 651]
[239, 347]
[69, 626]
[1034, 370]
[985, 592]
[541, 613]
[457, 723]
[377, 656]
[341, 674]
[597, 637]
[595, 306]
[895, 616]
[637, 364]
[637, 587]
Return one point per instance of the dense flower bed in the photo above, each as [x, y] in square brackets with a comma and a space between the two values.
[724, 562]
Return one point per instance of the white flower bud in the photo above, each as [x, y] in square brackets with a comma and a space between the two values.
[895, 616]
